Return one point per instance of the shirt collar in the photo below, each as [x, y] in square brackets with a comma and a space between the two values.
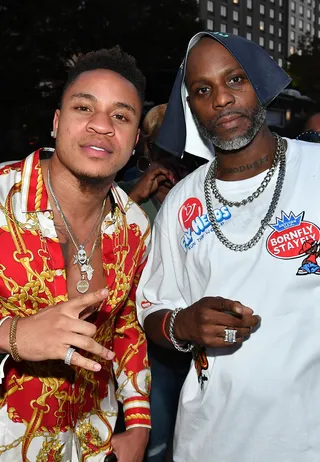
[33, 191]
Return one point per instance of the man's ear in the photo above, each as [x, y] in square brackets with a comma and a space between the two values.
[56, 120]
[137, 137]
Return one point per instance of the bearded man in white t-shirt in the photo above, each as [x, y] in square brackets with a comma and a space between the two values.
[223, 278]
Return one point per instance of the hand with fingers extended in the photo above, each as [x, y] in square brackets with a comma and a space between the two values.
[50, 333]
[206, 321]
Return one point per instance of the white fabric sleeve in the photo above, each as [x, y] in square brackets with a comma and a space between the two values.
[158, 288]
[3, 359]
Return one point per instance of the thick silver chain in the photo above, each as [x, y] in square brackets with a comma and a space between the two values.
[259, 190]
[74, 238]
[281, 160]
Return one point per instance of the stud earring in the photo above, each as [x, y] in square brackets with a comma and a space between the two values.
[133, 152]
[53, 134]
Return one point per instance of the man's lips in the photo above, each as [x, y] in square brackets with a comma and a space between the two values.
[97, 148]
[228, 120]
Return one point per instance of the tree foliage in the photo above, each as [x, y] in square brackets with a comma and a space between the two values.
[304, 67]
[40, 37]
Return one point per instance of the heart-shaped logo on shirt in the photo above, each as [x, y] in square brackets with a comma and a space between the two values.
[189, 211]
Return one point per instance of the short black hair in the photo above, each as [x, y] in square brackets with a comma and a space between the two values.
[113, 59]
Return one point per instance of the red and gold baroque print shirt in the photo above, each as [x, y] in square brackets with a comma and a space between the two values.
[48, 409]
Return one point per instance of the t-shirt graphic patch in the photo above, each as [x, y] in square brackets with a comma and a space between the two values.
[195, 224]
[294, 237]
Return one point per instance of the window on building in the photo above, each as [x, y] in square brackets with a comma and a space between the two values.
[291, 50]
[249, 4]
[271, 13]
[249, 21]
[280, 47]
[292, 35]
[308, 27]
[318, 33]
[309, 2]
[293, 21]
[223, 11]
[280, 17]
[280, 2]
[271, 44]
[299, 52]
[319, 20]
[209, 24]
[249, 36]
[271, 29]
[235, 15]
[262, 9]
[300, 24]
[280, 32]
[301, 10]
[261, 41]
[309, 13]
[271, 1]
[280, 62]
[293, 6]
[261, 25]
[235, 31]
[223, 28]
[210, 5]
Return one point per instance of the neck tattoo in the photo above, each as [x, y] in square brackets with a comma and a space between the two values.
[242, 168]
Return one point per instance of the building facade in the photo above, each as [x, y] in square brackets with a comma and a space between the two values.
[276, 25]
[303, 19]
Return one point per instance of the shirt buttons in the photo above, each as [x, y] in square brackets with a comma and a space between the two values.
[47, 214]
[59, 272]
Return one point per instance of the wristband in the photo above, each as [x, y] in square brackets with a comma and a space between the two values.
[164, 326]
[13, 339]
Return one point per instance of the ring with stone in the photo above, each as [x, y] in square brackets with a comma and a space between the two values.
[230, 335]
[67, 359]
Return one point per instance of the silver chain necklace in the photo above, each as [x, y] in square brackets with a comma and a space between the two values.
[80, 258]
[280, 158]
[259, 190]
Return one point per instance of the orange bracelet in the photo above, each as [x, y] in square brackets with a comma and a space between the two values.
[164, 326]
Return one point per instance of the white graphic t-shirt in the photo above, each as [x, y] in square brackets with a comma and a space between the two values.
[259, 402]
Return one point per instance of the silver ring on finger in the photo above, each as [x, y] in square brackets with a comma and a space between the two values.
[230, 335]
[67, 359]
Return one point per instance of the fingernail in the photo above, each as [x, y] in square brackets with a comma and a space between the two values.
[110, 355]
[104, 292]
[97, 367]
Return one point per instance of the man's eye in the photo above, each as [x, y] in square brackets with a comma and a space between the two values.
[121, 117]
[82, 108]
[237, 79]
[203, 90]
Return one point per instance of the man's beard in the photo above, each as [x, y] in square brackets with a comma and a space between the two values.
[257, 117]
[91, 184]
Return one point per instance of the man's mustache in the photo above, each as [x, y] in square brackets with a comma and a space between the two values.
[215, 122]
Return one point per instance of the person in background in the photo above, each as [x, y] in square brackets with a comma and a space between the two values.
[160, 173]
[311, 130]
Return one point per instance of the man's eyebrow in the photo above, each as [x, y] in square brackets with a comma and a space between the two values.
[84, 96]
[225, 72]
[127, 106]
[117, 104]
